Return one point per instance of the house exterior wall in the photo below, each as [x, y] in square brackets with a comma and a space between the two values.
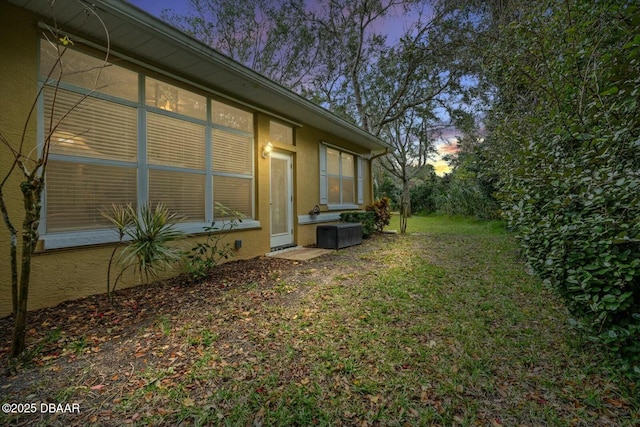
[307, 177]
[18, 77]
[75, 272]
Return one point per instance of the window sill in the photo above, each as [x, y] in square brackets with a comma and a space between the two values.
[342, 207]
[104, 236]
[318, 219]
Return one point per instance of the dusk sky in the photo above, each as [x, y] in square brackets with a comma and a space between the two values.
[395, 27]
[155, 7]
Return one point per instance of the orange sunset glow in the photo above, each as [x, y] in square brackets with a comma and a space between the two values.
[448, 145]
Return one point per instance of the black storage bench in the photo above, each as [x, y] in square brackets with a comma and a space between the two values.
[338, 236]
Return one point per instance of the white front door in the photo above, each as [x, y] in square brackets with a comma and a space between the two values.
[281, 199]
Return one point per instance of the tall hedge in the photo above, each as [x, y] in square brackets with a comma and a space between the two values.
[565, 139]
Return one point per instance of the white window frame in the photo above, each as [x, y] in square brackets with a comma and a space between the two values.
[358, 179]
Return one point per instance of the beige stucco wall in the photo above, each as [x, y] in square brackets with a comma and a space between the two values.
[18, 87]
[307, 176]
[66, 274]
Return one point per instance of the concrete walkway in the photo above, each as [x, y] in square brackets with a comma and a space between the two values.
[300, 253]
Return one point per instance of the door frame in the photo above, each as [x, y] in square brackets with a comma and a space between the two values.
[282, 239]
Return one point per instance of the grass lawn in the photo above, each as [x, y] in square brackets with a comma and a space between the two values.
[439, 327]
[446, 224]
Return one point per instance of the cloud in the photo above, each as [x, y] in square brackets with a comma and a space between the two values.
[447, 145]
[451, 148]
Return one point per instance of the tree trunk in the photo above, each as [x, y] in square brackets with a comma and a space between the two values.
[405, 206]
[20, 326]
[13, 251]
[31, 190]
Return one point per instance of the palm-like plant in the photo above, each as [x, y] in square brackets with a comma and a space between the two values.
[147, 236]
[121, 217]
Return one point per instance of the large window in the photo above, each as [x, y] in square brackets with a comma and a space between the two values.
[130, 138]
[341, 183]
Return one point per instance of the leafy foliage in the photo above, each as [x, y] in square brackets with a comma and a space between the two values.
[388, 188]
[366, 218]
[206, 255]
[564, 137]
[382, 210]
[423, 197]
[464, 195]
[464, 191]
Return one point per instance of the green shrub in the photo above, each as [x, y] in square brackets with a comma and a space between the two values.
[382, 210]
[204, 256]
[388, 189]
[465, 196]
[566, 149]
[581, 235]
[367, 219]
[423, 198]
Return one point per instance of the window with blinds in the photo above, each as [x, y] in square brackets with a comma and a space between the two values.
[181, 192]
[177, 165]
[77, 192]
[233, 170]
[340, 177]
[110, 145]
[78, 186]
[92, 127]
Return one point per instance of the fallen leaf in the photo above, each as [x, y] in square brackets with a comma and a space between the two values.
[97, 387]
[188, 402]
[618, 403]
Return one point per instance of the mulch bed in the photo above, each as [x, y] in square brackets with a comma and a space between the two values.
[133, 307]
